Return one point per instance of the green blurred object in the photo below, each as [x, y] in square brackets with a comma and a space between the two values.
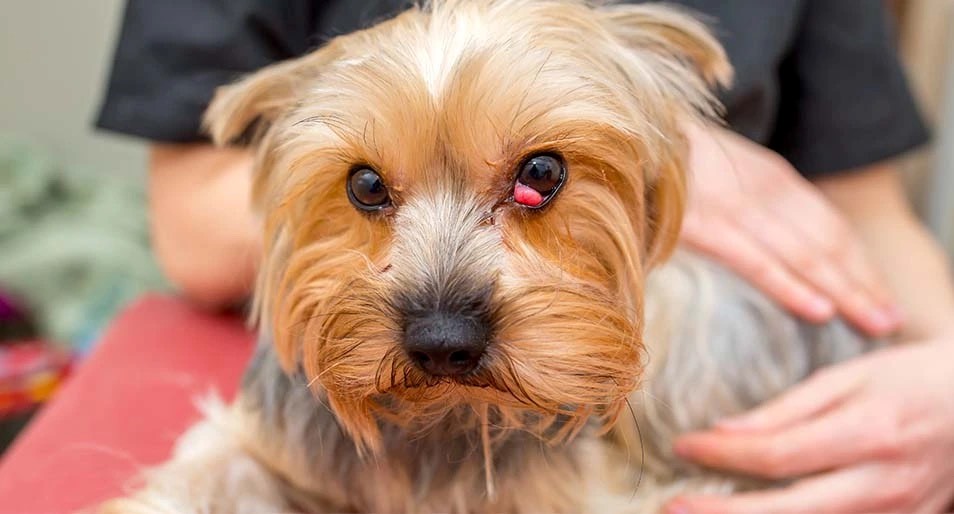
[73, 246]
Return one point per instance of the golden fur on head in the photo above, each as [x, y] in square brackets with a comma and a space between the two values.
[446, 108]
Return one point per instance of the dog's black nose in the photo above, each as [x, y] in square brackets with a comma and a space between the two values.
[445, 344]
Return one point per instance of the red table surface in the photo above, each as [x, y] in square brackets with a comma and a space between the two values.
[124, 407]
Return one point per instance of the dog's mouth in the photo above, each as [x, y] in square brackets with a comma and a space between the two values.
[494, 380]
[404, 394]
[394, 376]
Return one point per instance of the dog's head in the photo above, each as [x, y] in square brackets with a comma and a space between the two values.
[461, 203]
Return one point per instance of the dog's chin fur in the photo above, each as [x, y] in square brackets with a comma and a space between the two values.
[445, 102]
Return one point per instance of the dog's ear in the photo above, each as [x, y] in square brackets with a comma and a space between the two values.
[262, 96]
[672, 62]
[670, 34]
[665, 205]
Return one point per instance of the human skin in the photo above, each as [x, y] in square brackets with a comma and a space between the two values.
[749, 209]
[203, 231]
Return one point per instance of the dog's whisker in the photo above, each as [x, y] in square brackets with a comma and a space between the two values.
[642, 450]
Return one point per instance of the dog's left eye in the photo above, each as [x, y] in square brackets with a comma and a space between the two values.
[367, 191]
[538, 181]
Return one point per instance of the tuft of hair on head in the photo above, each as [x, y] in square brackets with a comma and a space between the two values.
[675, 34]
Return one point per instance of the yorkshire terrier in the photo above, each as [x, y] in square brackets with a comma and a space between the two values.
[468, 300]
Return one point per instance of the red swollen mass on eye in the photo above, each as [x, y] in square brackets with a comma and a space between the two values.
[526, 195]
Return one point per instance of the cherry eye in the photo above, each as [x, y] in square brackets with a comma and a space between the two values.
[367, 191]
[539, 180]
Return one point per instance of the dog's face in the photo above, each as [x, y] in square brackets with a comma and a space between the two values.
[460, 205]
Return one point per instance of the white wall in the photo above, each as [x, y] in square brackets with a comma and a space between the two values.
[54, 59]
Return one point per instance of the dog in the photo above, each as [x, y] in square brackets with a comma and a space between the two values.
[470, 298]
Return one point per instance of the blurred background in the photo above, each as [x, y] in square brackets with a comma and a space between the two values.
[74, 245]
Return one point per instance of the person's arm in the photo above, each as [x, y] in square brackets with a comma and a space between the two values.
[203, 232]
[169, 59]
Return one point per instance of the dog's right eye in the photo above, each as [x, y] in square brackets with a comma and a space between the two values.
[540, 178]
[367, 191]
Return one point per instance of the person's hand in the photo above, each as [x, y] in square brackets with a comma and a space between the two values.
[871, 435]
[751, 211]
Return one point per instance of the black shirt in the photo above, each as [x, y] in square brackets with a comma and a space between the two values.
[816, 80]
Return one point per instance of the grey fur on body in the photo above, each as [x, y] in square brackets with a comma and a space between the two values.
[715, 347]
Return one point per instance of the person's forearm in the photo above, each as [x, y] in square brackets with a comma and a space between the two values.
[913, 265]
[203, 232]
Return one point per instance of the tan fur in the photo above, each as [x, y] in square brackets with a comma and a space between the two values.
[445, 102]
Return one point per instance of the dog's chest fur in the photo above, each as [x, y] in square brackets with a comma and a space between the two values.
[714, 347]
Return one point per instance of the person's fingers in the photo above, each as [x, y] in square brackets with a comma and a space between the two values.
[828, 273]
[737, 250]
[850, 490]
[819, 392]
[810, 261]
[822, 272]
[834, 260]
[843, 437]
[843, 244]
[868, 306]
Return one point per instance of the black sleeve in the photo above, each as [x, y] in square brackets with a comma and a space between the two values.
[172, 54]
[845, 101]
